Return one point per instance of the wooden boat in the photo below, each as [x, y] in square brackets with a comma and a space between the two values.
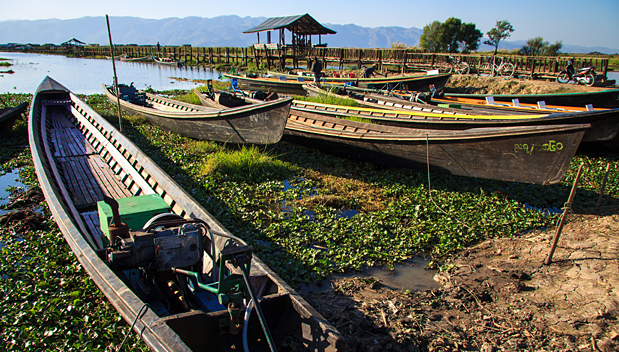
[137, 59]
[394, 81]
[256, 124]
[166, 61]
[8, 116]
[181, 283]
[411, 100]
[224, 100]
[604, 123]
[285, 84]
[537, 154]
[607, 98]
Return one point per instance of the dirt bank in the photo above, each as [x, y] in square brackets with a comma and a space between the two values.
[501, 85]
[497, 296]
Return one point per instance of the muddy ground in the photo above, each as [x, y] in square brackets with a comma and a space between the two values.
[503, 85]
[496, 296]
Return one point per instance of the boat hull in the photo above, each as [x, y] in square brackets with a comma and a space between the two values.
[608, 98]
[58, 119]
[284, 84]
[532, 154]
[137, 59]
[604, 122]
[9, 115]
[256, 124]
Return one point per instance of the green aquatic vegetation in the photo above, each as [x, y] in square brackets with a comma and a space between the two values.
[330, 99]
[48, 299]
[5, 63]
[247, 164]
[286, 201]
[217, 85]
[190, 98]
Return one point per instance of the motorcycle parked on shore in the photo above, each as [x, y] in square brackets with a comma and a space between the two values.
[585, 75]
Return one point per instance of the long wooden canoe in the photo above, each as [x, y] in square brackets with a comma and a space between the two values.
[256, 124]
[604, 122]
[9, 115]
[286, 84]
[137, 59]
[607, 98]
[537, 154]
[166, 61]
[168, 291]
[418, 81]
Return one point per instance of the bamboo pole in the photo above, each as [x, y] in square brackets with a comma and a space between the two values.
[603, 185]
[568, 207]
[109, 32]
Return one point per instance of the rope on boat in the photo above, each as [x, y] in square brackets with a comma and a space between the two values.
[132, 325]
[430, 186]
[256, 304]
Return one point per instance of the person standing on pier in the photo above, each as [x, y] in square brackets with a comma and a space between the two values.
[317, 69]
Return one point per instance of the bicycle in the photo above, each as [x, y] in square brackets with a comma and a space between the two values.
[505, 68]
[456, 65]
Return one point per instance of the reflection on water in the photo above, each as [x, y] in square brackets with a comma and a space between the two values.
[85, 76]
[411, 276]
[10, 179]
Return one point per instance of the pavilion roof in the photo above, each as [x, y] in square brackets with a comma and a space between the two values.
[301, 24]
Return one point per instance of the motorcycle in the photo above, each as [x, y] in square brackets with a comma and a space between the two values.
[585, 75]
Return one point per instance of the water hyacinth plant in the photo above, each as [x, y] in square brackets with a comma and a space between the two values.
[291, 204]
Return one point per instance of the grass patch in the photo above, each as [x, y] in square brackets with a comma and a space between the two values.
[330, 99]
[248, 164]
[5, 64]
[190, 98]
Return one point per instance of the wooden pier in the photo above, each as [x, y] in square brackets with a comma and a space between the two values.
[270, 56]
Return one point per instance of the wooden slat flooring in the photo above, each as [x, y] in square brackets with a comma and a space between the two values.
[91, 219]
[87, 175]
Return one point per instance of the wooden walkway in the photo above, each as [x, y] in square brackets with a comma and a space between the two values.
[272, 56]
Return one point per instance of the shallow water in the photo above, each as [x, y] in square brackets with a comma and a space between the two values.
[86, 76]
[10, 179]
[411, 276]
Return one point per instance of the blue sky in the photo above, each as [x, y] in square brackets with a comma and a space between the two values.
[587, 23]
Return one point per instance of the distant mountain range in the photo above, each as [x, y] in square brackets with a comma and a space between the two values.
[212, 32]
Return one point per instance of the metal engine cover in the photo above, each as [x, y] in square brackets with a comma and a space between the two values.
[178, 247]
[163, 247]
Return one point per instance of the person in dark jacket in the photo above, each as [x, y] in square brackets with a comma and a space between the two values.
[317, 69]
[369, 71]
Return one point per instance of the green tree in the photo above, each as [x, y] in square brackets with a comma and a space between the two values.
[537, 46]
[553, 50]
[451, 33]
[470, 36]
[450, 36]
[534, 46]
[502, 30]
[432, 37]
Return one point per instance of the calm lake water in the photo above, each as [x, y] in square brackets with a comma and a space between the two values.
[85, 76]
[9, 179]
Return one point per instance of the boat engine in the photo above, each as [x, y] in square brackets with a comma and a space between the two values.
[173, 244]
